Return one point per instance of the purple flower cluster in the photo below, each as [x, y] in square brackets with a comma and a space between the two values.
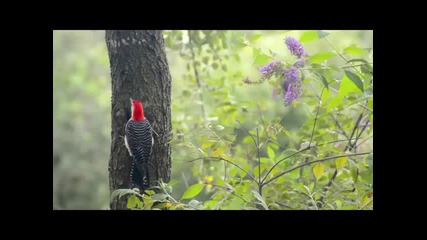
[295, 47]
[269, 68]
[291, 85]
[300, 63]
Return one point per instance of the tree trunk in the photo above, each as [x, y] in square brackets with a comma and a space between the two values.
[139, 70]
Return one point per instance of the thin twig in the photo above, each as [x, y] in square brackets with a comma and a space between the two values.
[300, 151]
[366, 204]
[247, 132]
[339, 125]
[349, 145]
[259, 164]
[226, 189]
[225, 160]
[342, 56]
[315, 161]
[196, 74]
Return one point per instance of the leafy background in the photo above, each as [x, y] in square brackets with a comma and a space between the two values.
[215, 114]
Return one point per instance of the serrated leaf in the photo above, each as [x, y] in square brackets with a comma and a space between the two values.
[325, 83]
[192, 191]
[355, 79]
[270, 152]
[322, 33]
[340, 162]
[321, 56]
[308, 36]
[318, 170]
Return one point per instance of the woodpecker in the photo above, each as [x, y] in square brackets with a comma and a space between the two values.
[139, 141]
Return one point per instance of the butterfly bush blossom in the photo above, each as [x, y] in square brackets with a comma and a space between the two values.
[300, 63]
[295, 47]
[291, 85]
[269, 68]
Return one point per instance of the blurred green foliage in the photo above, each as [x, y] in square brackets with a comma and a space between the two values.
[213, 113]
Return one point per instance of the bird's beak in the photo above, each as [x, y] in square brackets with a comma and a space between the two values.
[131, 100]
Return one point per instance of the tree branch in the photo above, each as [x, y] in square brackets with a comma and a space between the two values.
[196, 74]
[225, 160]
[315, 161]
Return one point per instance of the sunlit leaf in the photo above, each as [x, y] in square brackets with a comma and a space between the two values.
[324, 81]
[218, 152]
[321, 56]
[318, 170]
[340, 162]
[355, 79]
[346, 86]
[132, 202]
[270, 152]
[353, 49]
[308, 36]
[260, 199]
[322, 33]
[193, 191]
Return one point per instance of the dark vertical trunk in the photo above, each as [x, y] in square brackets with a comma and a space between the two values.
[139, 70]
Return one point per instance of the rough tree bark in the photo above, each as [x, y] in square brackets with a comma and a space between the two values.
[139, 70]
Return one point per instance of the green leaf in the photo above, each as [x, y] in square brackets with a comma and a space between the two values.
[346, 86]
[322, 33]
[186, 93]
[159, 196]
[357, 60]
[318, 170]
[205, 60]
[308, 36]
[270, 152]
[255, 37]
[149, 192]
[321, 56]
[192, 191]
[325, 83]
[353, 49]
[121, 192]
[355, 174]
[340, 162]
[367, 69]
[355, 79]
[260, 199]
[325, 95]
[132, 202]
[218, 152]
[219, 127]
